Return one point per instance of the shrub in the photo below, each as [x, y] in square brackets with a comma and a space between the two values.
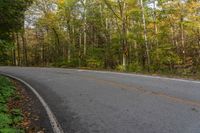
[135, 67]
[121, 68]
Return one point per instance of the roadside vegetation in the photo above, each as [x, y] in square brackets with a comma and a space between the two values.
[10, 118]
[143, 36]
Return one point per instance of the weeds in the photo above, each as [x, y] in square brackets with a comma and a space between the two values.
[9, 119]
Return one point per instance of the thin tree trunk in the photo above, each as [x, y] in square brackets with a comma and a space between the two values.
[124, 32]
[58, 49]
[43, 49]
[155, 31]
[24, 45]
[69, 46]
[182, 35]
[198, 62]
[14, 50]
[14, 57]
[84, 29]
[18, 50]
[68, 54]
[145, 35]
[155, 23]
[79, 51]
[183, 40]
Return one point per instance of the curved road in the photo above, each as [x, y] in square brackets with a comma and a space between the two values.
[105, 102]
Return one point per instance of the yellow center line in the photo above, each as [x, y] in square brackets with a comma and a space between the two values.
[145, 91]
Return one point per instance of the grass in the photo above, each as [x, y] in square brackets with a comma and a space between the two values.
[10, 119]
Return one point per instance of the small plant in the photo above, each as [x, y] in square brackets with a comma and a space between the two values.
[5, 120]
[16, 97]
[11, 130]
[3, 108]
[135, 67]
[9, 119]
[16, 115]
[121, 68]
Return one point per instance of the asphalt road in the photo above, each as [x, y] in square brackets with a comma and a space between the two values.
[105, 102]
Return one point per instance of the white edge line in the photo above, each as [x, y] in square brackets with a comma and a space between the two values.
[54, 122]
[140, 75]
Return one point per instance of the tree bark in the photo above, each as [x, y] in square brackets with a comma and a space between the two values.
[24, 45]
[84, 29]
[145, 35]
[18, 50]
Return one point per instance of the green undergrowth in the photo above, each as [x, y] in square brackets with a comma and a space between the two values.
[10, 119]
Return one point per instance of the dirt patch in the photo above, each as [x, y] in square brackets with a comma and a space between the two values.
[35, 119]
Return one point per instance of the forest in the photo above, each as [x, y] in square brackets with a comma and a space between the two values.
[144, 36]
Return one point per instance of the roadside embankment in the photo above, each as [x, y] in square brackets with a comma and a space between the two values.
[20, 110]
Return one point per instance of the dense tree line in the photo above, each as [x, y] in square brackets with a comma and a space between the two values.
[12, 14]
[132, 35]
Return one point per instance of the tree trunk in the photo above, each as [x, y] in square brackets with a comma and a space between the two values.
[14, 50]
[18, 50]
[145, 35]
[84, 29]
[24, 45]
[79, 50]
[124, 33]
[155, 23]
[182, 35]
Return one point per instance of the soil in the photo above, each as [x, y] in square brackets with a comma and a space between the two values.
[35, 119]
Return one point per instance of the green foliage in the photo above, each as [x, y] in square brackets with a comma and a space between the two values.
[5, 120]
[5, 47]
[165, 56]
[12, 14]
[121, 68]
[11, 130]
[6, 89]
[135, 67]
[93, 63]
[17, 119]
[161, 38]
[9, 119]
[3, 108]
[16, 112]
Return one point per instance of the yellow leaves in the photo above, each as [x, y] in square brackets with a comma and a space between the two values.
[193, 6]
[49, 19]
[61, 1]
[150, 26]
[131, 2]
